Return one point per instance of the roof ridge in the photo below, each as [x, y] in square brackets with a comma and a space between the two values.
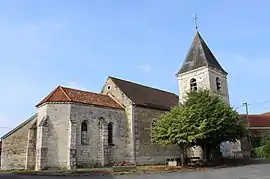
[203, 45]
[61, 88]
[49, 96]
[201, 41]
[83, 90]
[142, 85]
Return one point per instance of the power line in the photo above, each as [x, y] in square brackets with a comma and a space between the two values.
[2, 127]
[262, 102]
[251, 104]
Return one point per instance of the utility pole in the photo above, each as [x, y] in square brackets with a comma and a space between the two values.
[246, 105]
[249, 140]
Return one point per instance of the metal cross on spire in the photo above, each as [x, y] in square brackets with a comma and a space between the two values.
[195, 20]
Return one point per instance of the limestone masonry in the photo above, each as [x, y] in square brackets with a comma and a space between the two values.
[75, 128]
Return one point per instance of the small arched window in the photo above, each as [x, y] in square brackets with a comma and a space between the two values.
[218, 83]
[193, 84]
[84, 133]
[153, 125]
[110, 133]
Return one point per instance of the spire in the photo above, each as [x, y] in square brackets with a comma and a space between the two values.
[199, 55]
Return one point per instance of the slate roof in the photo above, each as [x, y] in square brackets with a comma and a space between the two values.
[64, 94]
[146, 96]
[19, 126]
[199, 55]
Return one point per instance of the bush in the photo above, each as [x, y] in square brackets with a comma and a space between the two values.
[264, 150]
[253, 153]
[255, 141]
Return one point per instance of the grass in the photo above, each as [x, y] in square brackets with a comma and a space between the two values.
[109, 171]
[164, 168]
[17, 171]
[103, 171]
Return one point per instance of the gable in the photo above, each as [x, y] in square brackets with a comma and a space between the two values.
[34, 117]
[64, 94]
[146, 96]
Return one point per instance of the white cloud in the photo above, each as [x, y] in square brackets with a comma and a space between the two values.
[146, 68]
[246, 66]
[247, 80]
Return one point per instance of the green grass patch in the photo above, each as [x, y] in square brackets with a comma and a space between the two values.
[17, 171]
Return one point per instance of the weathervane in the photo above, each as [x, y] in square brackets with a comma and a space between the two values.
[195, 20]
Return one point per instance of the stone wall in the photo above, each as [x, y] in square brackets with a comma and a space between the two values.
[52, 136]
[146, 151]
[223, 92]
[111, 89]
[259, 131]
[97, 151]
[202, 78]
[114, 91]
[15, 148]
[31, 147]
[245, 147]
[205, 78]
[139, 122]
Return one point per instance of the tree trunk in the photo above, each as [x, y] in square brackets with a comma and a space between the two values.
[183, 155]
[207, 152]
[216, 154]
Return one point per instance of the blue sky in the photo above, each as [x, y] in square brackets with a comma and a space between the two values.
[80, 43]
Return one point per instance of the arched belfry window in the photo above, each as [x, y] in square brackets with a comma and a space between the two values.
[193, 84]
[218, 83]
[84, 133]
[110, 133]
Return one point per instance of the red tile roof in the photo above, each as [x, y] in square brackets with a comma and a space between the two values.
[258, 120]
[64, 94]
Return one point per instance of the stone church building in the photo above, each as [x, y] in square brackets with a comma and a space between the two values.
[75, 127]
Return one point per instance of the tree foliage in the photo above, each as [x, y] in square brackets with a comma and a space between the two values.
[203, 119]
[263, 151]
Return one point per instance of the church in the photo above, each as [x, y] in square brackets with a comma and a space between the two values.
[72, 127]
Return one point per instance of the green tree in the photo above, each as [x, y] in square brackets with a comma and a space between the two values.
[263, 151]
[203, 119]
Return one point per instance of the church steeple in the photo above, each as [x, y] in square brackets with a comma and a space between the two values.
[199, 55]
[201, 70]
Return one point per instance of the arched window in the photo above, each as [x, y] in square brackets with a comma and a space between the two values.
[153, 125]
[84, 133]
[218, 83]
[110, 133]
[193, 84]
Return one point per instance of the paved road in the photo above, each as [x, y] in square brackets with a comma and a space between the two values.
[259, 171]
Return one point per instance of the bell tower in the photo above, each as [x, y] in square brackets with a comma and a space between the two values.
[201, 70]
